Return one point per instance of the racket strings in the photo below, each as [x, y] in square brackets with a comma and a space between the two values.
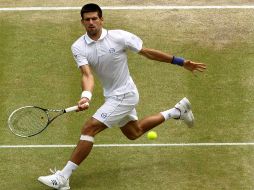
[28, 121]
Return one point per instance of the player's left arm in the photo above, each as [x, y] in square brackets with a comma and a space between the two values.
[158, 55]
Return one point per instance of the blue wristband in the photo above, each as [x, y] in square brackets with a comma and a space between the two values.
[178, 61]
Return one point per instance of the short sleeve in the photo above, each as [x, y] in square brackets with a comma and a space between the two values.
[79, 57]
[132, 41]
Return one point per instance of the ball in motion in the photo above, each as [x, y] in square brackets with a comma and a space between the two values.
[152, 135]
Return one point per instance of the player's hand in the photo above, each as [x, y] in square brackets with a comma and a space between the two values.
[83, 104]
[193, 66]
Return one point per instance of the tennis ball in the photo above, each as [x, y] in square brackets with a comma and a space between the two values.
[151, 135]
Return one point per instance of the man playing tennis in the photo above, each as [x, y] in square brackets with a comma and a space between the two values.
[104, 52]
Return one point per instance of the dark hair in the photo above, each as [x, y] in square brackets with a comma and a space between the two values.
[91, 7]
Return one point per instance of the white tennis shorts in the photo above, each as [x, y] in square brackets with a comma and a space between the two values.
[118, 110]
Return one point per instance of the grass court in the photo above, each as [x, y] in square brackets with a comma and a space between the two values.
[37, 68]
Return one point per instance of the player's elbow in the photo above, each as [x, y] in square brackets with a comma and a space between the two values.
[148, 53]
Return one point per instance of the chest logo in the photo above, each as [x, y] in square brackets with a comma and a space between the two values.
[112, 50]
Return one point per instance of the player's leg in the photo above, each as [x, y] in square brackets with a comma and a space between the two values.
[182, 110]
[60, 179]
[109, 114]
[134, 129]
[85, 144]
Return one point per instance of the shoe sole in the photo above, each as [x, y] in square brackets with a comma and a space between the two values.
[187, 105]
[190, 125]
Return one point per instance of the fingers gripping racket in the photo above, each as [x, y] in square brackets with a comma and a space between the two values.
[29, 121]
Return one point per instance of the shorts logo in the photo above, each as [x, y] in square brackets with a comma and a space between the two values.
[103, 115]
[112, 50]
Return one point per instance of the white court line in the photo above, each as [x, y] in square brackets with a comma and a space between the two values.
[156, 7]
[132, 145]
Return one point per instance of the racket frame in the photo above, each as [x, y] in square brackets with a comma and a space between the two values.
[47, 111]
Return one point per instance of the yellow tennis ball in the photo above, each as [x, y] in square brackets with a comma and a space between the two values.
[151, 135]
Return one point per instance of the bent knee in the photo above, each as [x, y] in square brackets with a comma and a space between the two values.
[92, 127]
[132, 130]
[87, 130]
[133, 135]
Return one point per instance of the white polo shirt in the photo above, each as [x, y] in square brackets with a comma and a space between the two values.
[108, 58]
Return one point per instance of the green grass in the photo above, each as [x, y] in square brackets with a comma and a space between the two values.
[37, 68]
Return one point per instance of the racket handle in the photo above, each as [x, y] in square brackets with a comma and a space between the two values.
[73, 108]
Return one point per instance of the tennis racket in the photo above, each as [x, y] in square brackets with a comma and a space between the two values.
[29, 121]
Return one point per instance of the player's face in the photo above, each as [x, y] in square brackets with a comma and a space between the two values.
[92, 23]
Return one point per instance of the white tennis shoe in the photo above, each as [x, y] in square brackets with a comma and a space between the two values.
[184, 106]
[56, 180]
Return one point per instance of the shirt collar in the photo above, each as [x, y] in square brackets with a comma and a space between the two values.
[89, 40]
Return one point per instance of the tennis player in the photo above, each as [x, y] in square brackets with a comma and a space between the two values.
[104, 52]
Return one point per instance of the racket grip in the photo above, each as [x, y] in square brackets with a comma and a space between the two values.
[73, 108]
[70, 109]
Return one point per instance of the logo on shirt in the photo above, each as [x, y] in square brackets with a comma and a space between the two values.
[112, 50]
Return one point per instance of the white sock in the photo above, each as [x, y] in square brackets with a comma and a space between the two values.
[68, 169]
[171, 113]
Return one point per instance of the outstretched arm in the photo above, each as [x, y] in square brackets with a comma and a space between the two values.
[167, 58]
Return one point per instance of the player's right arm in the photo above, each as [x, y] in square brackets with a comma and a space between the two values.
[87, 84]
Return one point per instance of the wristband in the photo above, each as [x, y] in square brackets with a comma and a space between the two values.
[86, 94]
[178, 61]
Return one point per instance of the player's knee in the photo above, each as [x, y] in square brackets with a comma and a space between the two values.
[87, 130]
[92, 127]
[132, 130]
[133, 135]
